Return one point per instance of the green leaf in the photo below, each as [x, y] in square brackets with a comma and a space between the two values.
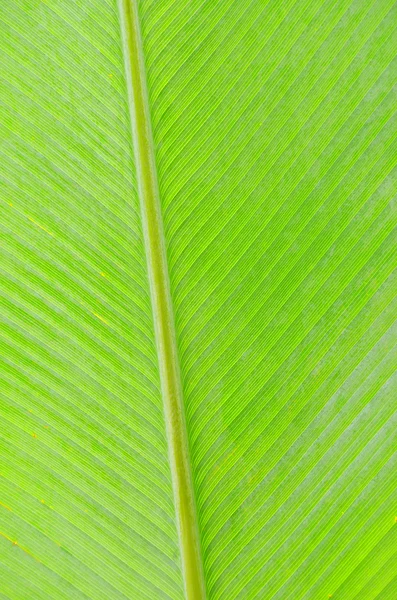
[198, 304]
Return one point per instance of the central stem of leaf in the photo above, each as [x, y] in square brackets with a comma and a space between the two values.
[161, 303]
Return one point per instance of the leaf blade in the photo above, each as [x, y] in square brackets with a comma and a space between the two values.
[86, 475]
[280, 237]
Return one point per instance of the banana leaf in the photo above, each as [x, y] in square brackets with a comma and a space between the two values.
[198, 299]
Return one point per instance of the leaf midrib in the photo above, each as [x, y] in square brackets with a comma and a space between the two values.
[163, 318]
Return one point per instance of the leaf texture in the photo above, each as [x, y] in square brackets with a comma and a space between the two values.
[275, 140]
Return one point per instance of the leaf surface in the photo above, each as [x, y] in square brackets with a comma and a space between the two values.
[272, 130]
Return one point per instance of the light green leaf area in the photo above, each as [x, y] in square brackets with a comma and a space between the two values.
[274, 137]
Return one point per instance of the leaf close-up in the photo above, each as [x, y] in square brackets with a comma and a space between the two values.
[198, 304]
